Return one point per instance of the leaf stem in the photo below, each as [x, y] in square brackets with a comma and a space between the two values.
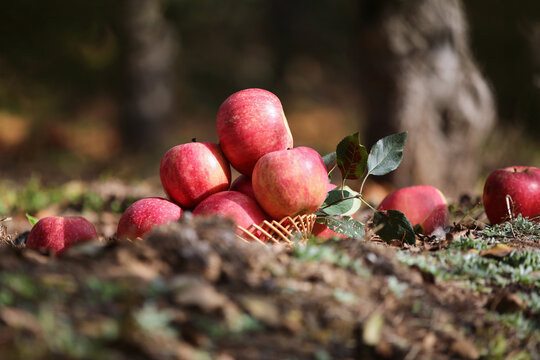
[332, 169]
[363, 183]
[365, 202]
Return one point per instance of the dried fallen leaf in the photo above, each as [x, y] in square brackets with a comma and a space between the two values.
[262, 309]
[131, 265]
[497, 251]
[429, 341]
[87, 248]
[372, 329]
[20, 319]
[293, 320]
[465, 348]
[212, 271]
[506, 303]
[192, 291]
[64, 283]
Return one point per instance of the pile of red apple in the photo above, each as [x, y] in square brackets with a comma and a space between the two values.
[277, 180]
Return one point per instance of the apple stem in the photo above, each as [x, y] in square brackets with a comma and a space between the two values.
[194, 140]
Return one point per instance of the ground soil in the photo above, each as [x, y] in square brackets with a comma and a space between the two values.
[194, 290]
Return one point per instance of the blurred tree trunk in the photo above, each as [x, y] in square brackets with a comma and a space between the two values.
[280, 19]
[149, 59]
[418, 75]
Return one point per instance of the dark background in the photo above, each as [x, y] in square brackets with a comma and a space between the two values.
[73, 73]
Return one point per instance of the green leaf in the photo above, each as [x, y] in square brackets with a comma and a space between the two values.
[341, 207]
[344, 225]
[351, 157]
[395, 225]
[386, 155]
[329, 161]
[418, 229]
[31, 219]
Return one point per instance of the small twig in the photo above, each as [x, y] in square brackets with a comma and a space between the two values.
[469, 214]
[509, 205]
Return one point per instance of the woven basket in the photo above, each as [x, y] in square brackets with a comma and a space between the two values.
[279, 231]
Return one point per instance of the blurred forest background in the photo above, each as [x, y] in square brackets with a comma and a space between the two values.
[104, 88]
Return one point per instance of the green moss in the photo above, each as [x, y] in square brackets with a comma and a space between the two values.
[518, 267]
[33, 195]
[314, 251]
[520, 227]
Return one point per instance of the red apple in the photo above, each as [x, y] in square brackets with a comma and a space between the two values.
[290, 182]
[322, 231]
[243, 184]
[191, 172]
[234, 205]
[422, 204]
[522, 183]
[141, 216]
[58, 233]
[251, 123]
